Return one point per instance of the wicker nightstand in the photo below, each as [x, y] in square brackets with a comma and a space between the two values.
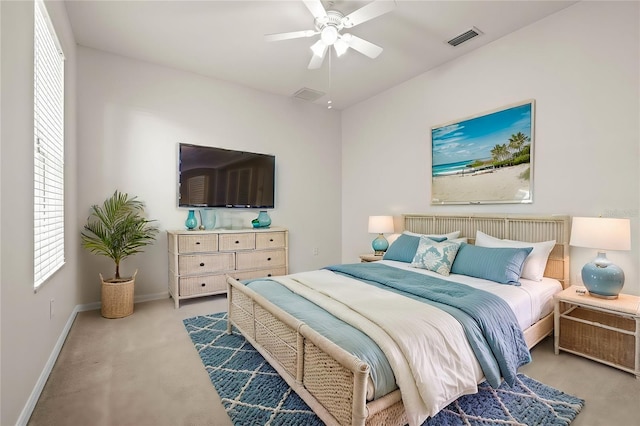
[364, 258]
[607, 331]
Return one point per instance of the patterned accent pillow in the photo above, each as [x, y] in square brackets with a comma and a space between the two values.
[435, 256]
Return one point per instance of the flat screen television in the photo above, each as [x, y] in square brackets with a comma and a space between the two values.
[217, 177]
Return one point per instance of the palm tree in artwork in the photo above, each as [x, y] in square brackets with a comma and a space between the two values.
[517, 142]
[500, 152]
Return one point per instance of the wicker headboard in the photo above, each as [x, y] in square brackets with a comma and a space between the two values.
[513, 227]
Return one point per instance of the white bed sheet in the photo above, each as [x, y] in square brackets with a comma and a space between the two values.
[530, 301]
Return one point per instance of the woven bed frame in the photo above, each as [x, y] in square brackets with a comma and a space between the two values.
[332, 381]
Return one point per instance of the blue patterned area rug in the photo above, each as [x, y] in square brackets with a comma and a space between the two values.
[253, 393]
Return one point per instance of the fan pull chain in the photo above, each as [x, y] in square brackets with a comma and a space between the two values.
[329, 102]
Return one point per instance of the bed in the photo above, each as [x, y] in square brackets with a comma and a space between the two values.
[336, 384]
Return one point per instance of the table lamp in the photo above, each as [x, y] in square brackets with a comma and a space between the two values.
[601, 277]
[380, 225]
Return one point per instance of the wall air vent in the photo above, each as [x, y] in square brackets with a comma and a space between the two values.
[307, 94]
[465, 36]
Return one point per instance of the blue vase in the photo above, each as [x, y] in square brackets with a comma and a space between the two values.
[263, 219]
[208, 218]
[191, 223]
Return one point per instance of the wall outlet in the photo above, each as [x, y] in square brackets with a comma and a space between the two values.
[51, 311]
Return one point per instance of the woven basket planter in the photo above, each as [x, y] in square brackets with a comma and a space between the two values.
[117, 297]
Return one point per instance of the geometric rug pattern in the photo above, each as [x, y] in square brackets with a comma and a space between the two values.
[253, 393]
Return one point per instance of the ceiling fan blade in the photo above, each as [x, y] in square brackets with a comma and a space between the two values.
[316, 8]
[363, 46]
[319, 49]
[289, 36]
[368, 12]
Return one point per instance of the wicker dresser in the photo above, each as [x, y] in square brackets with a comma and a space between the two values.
[200, 260]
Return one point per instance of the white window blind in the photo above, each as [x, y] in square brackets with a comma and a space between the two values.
[48, 165]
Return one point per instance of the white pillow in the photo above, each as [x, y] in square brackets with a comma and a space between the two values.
[459, 240]
[536, 262]
[449, 236]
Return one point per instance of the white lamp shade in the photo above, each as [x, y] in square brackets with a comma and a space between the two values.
[601, 233]
[380, 224]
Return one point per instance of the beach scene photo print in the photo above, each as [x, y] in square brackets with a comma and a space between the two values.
[487, 158]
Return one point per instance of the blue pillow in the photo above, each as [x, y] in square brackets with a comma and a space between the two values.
[502, 265]
[404, 248]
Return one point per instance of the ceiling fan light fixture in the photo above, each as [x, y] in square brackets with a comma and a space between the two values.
[318, 48]
[341, 47]
[329, 35]
[329, 23]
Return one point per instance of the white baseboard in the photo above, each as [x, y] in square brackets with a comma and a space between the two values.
[46, 371]
[44, 376]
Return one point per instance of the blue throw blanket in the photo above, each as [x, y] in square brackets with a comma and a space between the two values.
[490, 326]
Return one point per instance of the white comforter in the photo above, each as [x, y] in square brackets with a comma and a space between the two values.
[430, 356]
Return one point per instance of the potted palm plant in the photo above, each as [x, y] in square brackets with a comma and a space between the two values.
[118, 229]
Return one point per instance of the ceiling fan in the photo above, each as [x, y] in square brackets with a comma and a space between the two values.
[330, 23]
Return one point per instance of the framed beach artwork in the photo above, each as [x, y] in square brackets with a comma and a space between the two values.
[486, 158]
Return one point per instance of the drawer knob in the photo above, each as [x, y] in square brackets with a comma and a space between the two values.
[203, 284]
[202, 264]
[268, 275]
[197, 243]
[268, 258]
[271, 239]
[237, 242]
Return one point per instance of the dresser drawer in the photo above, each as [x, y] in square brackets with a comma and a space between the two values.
[197, 243]
[260, 273]
[205, 284]
[197, 264]
[263, 259]
[267, 240]
[230, 242]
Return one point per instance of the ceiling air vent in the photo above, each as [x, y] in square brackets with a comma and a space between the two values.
[307, 94]
[467, 35]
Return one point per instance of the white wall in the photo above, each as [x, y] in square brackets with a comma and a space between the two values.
[131, 117]
[580, 65]
[28, 334]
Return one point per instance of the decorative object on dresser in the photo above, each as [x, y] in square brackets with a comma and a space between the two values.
[380, 225]
[208, 219]
[262, 221]
[191, 223]
[604, 330]
[199, 261]
[118, 229]
[600, 276]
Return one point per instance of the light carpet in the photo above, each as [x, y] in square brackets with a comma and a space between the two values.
[253, 393]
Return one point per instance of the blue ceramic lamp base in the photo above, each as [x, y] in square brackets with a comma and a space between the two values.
[602, 278]
[380, 245]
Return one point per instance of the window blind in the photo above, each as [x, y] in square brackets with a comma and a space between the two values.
[48, 207]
